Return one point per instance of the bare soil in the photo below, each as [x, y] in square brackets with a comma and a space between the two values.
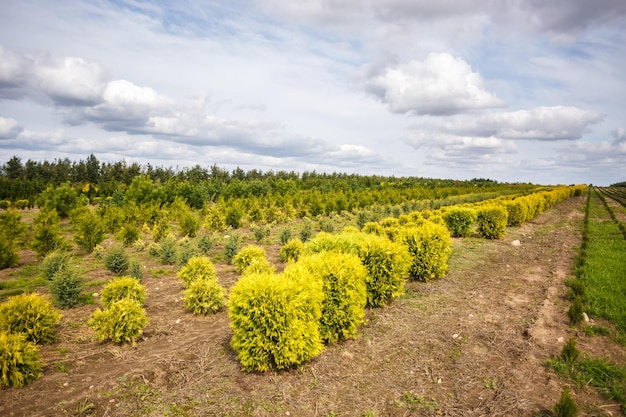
[474, 343]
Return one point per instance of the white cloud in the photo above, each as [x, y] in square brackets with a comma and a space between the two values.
[71, 80]
[439, 85]
[619, 135]
[9, 128]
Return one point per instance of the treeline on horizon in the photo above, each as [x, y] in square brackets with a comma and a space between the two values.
[25, 181]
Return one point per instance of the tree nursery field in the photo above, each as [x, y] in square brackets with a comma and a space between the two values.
[141, 291]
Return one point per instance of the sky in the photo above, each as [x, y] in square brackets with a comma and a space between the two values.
[511, 90]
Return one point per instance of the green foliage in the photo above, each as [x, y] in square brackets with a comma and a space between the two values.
[189, 223]
[231, 248]
[261, 232]
[19, 359]
[30, 314]
[373, 228]
[246, 256]
[197, 268]
[89, 230]
[122, 322]
[167, 250]
[186, 250]
[430, 247]
[570, 352]
[275, 320]
[285, 236]
[566, 407]
[205, 243]
[9, 255]
[135, 270]
[214, 219]
[307, 231]
[460, 220]
[12, 229]
[492, 221]
[47, 233]
[345, 293]
[326, 225]
[161, 229]
[66, 287]
[233, 216]
[54, 262]
[123, 288]
[517, 212]
[63, 199]
[128, 234]
[117, 260]
[575, 312]
[205, 296]
[291, 250]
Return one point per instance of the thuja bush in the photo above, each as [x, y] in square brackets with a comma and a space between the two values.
[460, 220]
[205, 296]
[345, 293]
[517, 212]
[492, 221]
[189, 223]
[429, 246]
[197, 268]
[121, 322]
[19, 359]
[246, 256]
[30, 314]
[12, 233]
[66, 286]
[275, 320]
[291, 250]
[47, 233]
[121, 288]
[116, 260]
[89, 230]
[387, 265]
[128, 234]
[54, 262]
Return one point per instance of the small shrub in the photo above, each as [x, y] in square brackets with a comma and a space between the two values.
[429, 246]
[122, 322]
[189, 224]
[570, 352]
[99, 251]
[123, 288]
[575, 312]
[566, 407]
[517, 212]
[373, 228]
[215, 219]
[275, 320]
[345, 293]
[53, 263]
[258, 266]
[161, 229]
[246, 255]
[261, 232]
[117, 260]
[185, 252]
[577, 287]
[492, 221]
[233, 217]
[204, 296]
[139, 245]
[285, 236]
[459, 220]
[154, 249]
[20, 360]
[89, 230]
[231, 248]
[47, 233]
[66, 287]
[9, 255]
[135, 270]
[307, 231]
[326, 225]
[30, 314]
[128, 234]
[167, 250]
[205, 243]
[291, 250]
[197, 268]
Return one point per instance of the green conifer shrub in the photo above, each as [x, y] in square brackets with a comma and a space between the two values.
[492, 221]
[204, 296]
[345, 293]
[307, 230]
[575, 312]
[246, 255]
[460, 220]
[121, 322]
[30, 314]
[285, 236]
[261, 232]
[19, 360]
[121, 288]
[66, 286]
[197, 268]
[168, 250]
[214, 219]
[48, 233]
[566, 407]
[128, 234]
[275, 320]
[205, 243]
[291, 250]
[189, 223]
[117, 260]
[54, 262]
[570, 352]
[231, 248]
[135, 270]
[89, 230]
[429, 246]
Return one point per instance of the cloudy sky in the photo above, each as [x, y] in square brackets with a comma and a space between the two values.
[513, 90]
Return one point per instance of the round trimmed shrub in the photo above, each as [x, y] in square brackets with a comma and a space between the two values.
[291, 250]
[492, 221]
[30, 314]
[205, 296]
[197, 268]
[117, 260]
[373, 228]
[429, 246]
[121, 288]
[121, 322]
[66, 287]
[275, 320]
[459, 220]
[246, 256]
[19, 359]
[345, 293]
[517, 212]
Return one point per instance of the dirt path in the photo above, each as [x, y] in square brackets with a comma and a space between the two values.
[471, 344]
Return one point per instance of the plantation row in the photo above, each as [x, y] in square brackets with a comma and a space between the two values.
[278, 320]
[616, 193]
